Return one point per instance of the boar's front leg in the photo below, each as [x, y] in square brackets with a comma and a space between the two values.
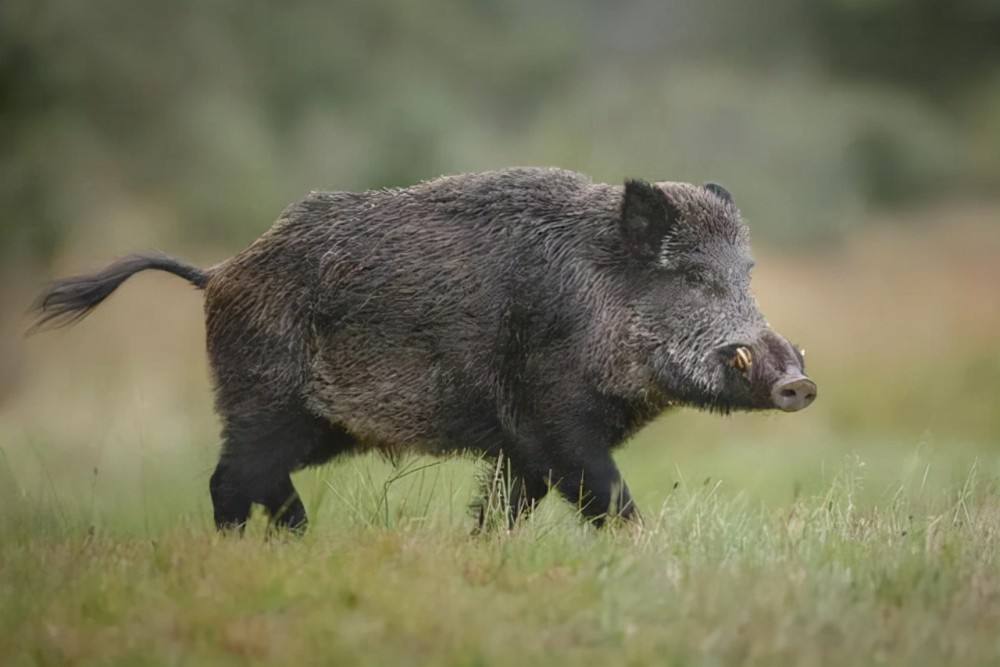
[592, 482]
[574, 447]
[510, 488]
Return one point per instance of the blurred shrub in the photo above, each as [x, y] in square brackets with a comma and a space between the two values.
[803, 158]
[217, 115]
[944, 49]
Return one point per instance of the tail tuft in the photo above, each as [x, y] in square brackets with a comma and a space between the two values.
[69, 300]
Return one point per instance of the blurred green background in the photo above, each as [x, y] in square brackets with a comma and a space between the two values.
[210, 117]
[861, 138]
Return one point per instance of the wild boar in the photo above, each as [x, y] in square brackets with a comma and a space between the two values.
[526, 313]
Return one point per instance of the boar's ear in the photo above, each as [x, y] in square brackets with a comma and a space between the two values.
[647, 216]
[719, 191]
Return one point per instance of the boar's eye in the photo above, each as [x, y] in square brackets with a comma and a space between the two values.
[698, 278]
[704, 281]
[695, 278]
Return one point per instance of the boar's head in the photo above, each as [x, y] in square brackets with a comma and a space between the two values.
[692, 314]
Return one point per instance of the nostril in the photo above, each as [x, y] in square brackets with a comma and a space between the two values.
[793, 394]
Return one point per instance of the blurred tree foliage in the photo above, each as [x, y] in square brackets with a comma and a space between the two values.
[214, 115]
[939, 49]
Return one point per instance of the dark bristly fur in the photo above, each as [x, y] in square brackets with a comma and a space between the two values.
[529, 315]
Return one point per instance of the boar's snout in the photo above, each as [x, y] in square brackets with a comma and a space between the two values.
[793, 393]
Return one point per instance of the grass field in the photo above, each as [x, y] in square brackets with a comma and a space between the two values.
[865, 530]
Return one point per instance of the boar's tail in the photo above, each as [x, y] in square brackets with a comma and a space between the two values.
[70, 300]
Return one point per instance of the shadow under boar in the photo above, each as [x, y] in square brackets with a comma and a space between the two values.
[528, 314]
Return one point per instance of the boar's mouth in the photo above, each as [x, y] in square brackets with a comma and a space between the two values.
[755, 380]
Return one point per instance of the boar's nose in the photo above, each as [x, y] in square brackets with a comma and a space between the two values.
[793, 393]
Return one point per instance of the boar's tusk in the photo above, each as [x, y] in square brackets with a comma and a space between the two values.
[743, 359]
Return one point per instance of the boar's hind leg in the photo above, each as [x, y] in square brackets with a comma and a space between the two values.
[285, 508]
[258, 455]
[234, 489]
[229, 500]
